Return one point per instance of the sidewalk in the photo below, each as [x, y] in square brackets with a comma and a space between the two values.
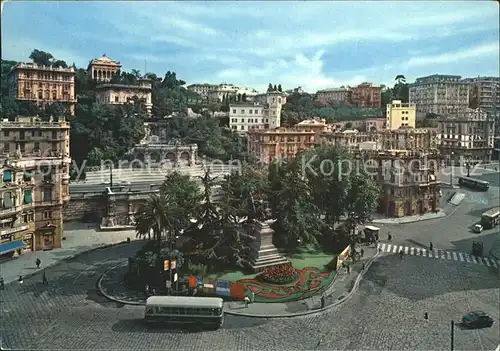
[79, 238]
[411, 219]
[111, 286]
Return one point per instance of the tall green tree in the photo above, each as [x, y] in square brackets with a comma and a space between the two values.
[41, 57]
[269, 87]
[280, 88]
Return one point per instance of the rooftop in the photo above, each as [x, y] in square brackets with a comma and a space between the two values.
[122, 86]
[35, 67]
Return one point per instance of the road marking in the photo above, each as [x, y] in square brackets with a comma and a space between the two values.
[494, 263]
[381, 247]
[388, 249]
[406, 250]
[424, 252]
[401, 249]
[455, 257]
[412, 251]
[474, 259]
[448, 255]
[395, 249]
[467, 257]
[461, 257]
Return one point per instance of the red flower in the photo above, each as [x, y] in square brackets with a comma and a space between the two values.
[282, 274]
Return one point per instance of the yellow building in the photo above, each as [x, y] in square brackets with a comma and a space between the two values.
[42, 84]
[34, 184]
[102, 69]
[401, 115]
[120, 94]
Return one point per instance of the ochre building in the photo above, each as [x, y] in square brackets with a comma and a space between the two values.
[34, 184]
[42, 85]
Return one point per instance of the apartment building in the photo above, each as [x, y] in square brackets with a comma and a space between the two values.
[102, 69]
[269, 144]
[42, 85]
[468, 137]
[484, 94]
[226, 90]
[444, 95]
[400, 114]
[119, 94]
[259, 114]
[409, 180]
[34, 184]
[334, 95]
[202, 89]
[367, 95]
[400, 139]
[363, 125]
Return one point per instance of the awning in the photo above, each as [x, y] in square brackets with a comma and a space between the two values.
[7, 176]
[10, 246]
[27, 196]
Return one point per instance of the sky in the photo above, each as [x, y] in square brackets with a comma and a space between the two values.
[312, 44]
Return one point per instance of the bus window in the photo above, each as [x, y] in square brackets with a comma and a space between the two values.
[150, 310]
[190, 311]
[182, 310]
[175, 310]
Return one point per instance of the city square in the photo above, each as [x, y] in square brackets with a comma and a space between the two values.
[250, 176]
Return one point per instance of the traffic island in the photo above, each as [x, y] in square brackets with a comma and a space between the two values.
[339, 289]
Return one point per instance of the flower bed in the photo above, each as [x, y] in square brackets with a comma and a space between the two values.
[283, 274]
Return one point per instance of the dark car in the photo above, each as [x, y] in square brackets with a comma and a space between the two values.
[477, 319]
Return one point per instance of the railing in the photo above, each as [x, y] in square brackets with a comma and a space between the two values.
[49, 68]
[34, 124]
[14, 230]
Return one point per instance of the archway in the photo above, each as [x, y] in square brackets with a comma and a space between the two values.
[155, 157]
[184, 158]
[170, 158]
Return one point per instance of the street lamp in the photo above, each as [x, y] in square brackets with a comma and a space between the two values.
[451, 166]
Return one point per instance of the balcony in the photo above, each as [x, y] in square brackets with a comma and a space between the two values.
[16, 229]
[10, 211]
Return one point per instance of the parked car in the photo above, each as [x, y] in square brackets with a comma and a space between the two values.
[477, 319]
[478, 228]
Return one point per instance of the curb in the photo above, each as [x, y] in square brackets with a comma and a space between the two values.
[382, 221]
[112, 298]
[290, 315]
[67, 258]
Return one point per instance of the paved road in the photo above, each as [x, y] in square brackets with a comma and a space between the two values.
[386, 313]
[453, 232]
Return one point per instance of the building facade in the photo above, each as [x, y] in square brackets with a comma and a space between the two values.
[485, 94]
[334, 95]
[367, 95]
[202, 89]
[224, 91]
[42, 85]
[409, 180]
[102, 69]
[119, 94]
[35, 163]
[269, 144]
[467, 138]
[259, 114]
[443, 95]
[362, 125]
[400, 114]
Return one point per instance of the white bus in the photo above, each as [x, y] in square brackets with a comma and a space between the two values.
[185, 310]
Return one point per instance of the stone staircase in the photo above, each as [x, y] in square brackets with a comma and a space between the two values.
[153, 175]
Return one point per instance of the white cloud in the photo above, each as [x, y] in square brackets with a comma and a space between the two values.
[457, 56]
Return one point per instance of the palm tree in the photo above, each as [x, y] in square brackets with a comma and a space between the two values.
[400, 79]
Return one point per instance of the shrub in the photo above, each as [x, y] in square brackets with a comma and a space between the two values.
[197, 269]
[283, 274]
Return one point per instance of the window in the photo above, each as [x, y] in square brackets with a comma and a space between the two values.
[242, 127]
[7, 176]
[234, 110]
[27, 196]
[250, 112]
[242, 111]
[7, 200]
[6, 147]
[6, 133]
[54, 146]
[22, 147]
[256, 112]
[47, 194]
[116, 98]
[22, 135]
[54, 134]
[47, 215]
[36, 146]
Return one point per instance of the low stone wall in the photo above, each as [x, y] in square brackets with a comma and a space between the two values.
[80, 209]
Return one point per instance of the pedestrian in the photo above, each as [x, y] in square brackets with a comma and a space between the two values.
[401, 254]
[362, 252]
[389, 236]
[2, 283]
[348, 268]
[363, 266]
[146, 290]
[247, 301]
[44, 279]
[430, 245]
[21, 279]
[253, 297]
[322, 302]
[154, 291]
[426, 316]
[38, 262]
